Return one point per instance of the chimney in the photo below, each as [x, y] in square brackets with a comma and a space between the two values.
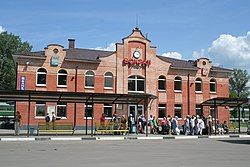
[71, 43]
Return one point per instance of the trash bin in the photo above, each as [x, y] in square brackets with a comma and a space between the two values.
[133, 129]
[32, 131]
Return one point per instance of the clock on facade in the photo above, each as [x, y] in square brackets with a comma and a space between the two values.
[136, 54]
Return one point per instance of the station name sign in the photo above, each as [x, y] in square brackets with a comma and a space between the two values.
[136, 62]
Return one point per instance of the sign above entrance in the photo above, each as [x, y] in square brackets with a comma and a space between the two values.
[136, 62]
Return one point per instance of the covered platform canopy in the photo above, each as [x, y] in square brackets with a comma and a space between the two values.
[224, 101]
[227, 102]
[75, 97]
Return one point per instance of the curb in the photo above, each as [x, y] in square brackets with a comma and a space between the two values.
[118, 138]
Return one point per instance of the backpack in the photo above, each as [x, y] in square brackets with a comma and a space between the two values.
[47, 118]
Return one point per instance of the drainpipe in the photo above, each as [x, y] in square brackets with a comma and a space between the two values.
[188, 92]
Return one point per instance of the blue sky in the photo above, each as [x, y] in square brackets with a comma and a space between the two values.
[186, 29]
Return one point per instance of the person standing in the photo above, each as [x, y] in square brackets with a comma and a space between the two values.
[47, 120]
[209, 124]
[18, 118]
[53, 119]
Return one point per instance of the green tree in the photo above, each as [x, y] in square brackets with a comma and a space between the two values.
[10, 44]
[238, 84]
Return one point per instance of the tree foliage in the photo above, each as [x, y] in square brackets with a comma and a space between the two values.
[9, 45]
[238, 83]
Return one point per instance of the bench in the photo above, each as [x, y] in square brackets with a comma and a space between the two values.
[55, 128]
[109, 128]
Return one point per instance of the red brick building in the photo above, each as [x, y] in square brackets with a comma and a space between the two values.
[133, 67]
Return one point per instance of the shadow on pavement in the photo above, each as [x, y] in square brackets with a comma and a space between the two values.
[236, 141]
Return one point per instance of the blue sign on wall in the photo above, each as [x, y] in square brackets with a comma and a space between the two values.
[22, 84]
[54, 61]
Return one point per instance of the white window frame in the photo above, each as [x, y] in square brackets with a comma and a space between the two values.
[177, 79]
[163, 79]
[213, 81]
[135, 78]
[160, 107]
[198, 81]
[108, 106]
[62, 74]
[177, 108]
[44, 105]
[61, 105]
[90, 75]
[41, 73]
[108, 75]
[89, 106]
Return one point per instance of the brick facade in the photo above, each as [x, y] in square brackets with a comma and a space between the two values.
[113, 62]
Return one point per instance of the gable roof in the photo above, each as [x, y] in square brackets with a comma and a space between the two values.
[177, 63]
[86, 54]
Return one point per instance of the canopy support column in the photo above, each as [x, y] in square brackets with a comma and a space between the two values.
[28, 130]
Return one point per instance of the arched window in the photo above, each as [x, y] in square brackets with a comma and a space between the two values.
[161, 83]
[62, 78]
[136, 84]
[89, 79]
[177, 84]
[108, 80]
[213, 85]
[198, 85]
[41, 77]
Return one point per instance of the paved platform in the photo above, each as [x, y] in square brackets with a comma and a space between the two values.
[81, 136]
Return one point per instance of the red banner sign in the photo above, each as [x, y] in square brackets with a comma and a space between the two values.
[136, 62]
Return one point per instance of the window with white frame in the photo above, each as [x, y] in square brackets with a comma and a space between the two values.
[178, 110]
[62, 78]
[161, 83]
[41, 77]
[61, 109]
[177, 84]
[136, 84]
[162, 111]
[212, 85]
[198, 110]
[198, 85]
[89, 79]
[108, 110]
[40, 109]
[88, 111]
[213, 112]
[108, 80]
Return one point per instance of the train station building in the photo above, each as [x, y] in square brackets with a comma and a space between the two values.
[134, 67]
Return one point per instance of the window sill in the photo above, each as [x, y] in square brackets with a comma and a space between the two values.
[212, 92]
[89, 87]
[177, 91]
[62, 86]
[108, 88]
[41, 85]
[88, 118]
[198, 92]
[161, 90]
[136, 92]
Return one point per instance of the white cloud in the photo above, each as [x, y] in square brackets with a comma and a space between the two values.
[175, 55]
[229, 51]
[110, 47]
[2, 29]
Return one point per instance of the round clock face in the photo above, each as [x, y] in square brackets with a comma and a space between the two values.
[137, 54]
